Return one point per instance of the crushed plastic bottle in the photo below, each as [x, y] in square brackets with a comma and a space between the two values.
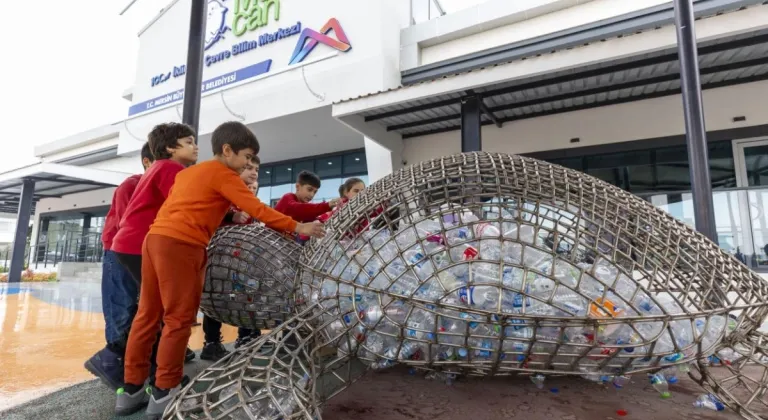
[538, 380]
[660, 384]
[709, 401]
[620, 381]
[445, 377]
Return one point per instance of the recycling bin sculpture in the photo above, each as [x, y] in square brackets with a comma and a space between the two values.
[249, 280]
[492, 264]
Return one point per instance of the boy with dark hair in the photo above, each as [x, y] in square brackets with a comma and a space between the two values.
[174, 148]
[213, 349]
[298, 205]
[173, 264]
[119, 292]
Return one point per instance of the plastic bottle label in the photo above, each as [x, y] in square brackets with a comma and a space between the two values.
[470, 253]
[466, 295]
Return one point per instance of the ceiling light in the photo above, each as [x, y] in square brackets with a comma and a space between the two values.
[267, 172]
[290, 169]
[357, 159]
[330, 163]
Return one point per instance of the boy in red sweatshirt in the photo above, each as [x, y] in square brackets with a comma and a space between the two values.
[119, 291]
[174, 260]
[299, 205]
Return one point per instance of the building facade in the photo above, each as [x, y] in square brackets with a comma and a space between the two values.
[359, 89]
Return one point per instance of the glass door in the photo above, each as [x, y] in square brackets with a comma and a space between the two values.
[752, 173]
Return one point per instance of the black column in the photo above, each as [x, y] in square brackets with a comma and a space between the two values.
[84, 238]
[696, 134]
[194, 69]
[471, 139]
[22, 228]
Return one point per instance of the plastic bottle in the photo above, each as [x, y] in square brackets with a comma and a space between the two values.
[710, 402]
[620, 381]
[659, 383]
[538, 380]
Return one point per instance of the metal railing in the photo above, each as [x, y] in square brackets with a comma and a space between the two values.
[74, 247]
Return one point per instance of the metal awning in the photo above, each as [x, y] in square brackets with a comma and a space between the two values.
[53, 180]
[723, 62]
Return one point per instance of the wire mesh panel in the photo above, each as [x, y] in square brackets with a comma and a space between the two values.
[249, 281]
[493, 264]
[742, 382]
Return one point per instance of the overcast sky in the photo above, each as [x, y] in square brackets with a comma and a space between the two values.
[66, 65]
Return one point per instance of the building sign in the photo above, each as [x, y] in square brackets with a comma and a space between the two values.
[249, 14]
[208, 85]
[303, 48]
[253, 14]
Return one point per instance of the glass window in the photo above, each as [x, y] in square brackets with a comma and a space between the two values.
[265, 175]
[355, 163]
[329, 167]
[283, 174]
[329, 189]
[756, 164]
[305, 165]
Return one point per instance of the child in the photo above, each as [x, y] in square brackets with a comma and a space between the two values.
[213, 349]
[119, 291]
[173, 146]
[298, 205]
[347, 191]
[173, 264]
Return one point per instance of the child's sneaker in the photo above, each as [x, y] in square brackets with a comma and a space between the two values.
[241, 341]
[128, 403]
[189, 356]
[213, 351]
[160, 399]
[107, 366]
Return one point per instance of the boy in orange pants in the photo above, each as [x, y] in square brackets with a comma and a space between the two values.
[174, 259]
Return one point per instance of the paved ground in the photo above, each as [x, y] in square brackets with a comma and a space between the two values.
[396, 395]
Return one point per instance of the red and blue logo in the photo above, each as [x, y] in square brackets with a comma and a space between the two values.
[310, 38]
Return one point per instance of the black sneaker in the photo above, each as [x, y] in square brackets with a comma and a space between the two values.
[241, 341]
[213, 351]
[190, 356]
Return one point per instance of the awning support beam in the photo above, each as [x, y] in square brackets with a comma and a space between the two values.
[22, 229]
[471, 133]
[693, 112]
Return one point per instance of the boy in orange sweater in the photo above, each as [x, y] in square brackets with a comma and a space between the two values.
[174, 259]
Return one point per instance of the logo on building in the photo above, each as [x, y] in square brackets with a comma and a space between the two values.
[216, 25]
[310, 38]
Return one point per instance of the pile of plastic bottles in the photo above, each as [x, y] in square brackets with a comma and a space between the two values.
[459, 291]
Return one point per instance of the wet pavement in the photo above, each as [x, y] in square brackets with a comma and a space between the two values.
[47, 331]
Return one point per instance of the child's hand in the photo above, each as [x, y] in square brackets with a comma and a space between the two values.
[240, 217]
[334, 202]
[314, 229]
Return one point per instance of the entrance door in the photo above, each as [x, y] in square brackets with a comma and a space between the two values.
[751, 157]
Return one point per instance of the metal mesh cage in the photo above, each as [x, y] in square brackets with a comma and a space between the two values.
[493, 264]
[742, 382]
[250, 277]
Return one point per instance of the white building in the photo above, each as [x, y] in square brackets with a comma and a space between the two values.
[589, 84]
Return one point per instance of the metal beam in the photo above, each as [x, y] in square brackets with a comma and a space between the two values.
[195, 45]
[617, 101]
[693, 112]
[593, 91]
[629, 23]
[471, 133]
[22, 228]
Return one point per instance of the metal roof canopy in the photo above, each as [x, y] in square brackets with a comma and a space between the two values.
[724, 62]
[53, 180]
